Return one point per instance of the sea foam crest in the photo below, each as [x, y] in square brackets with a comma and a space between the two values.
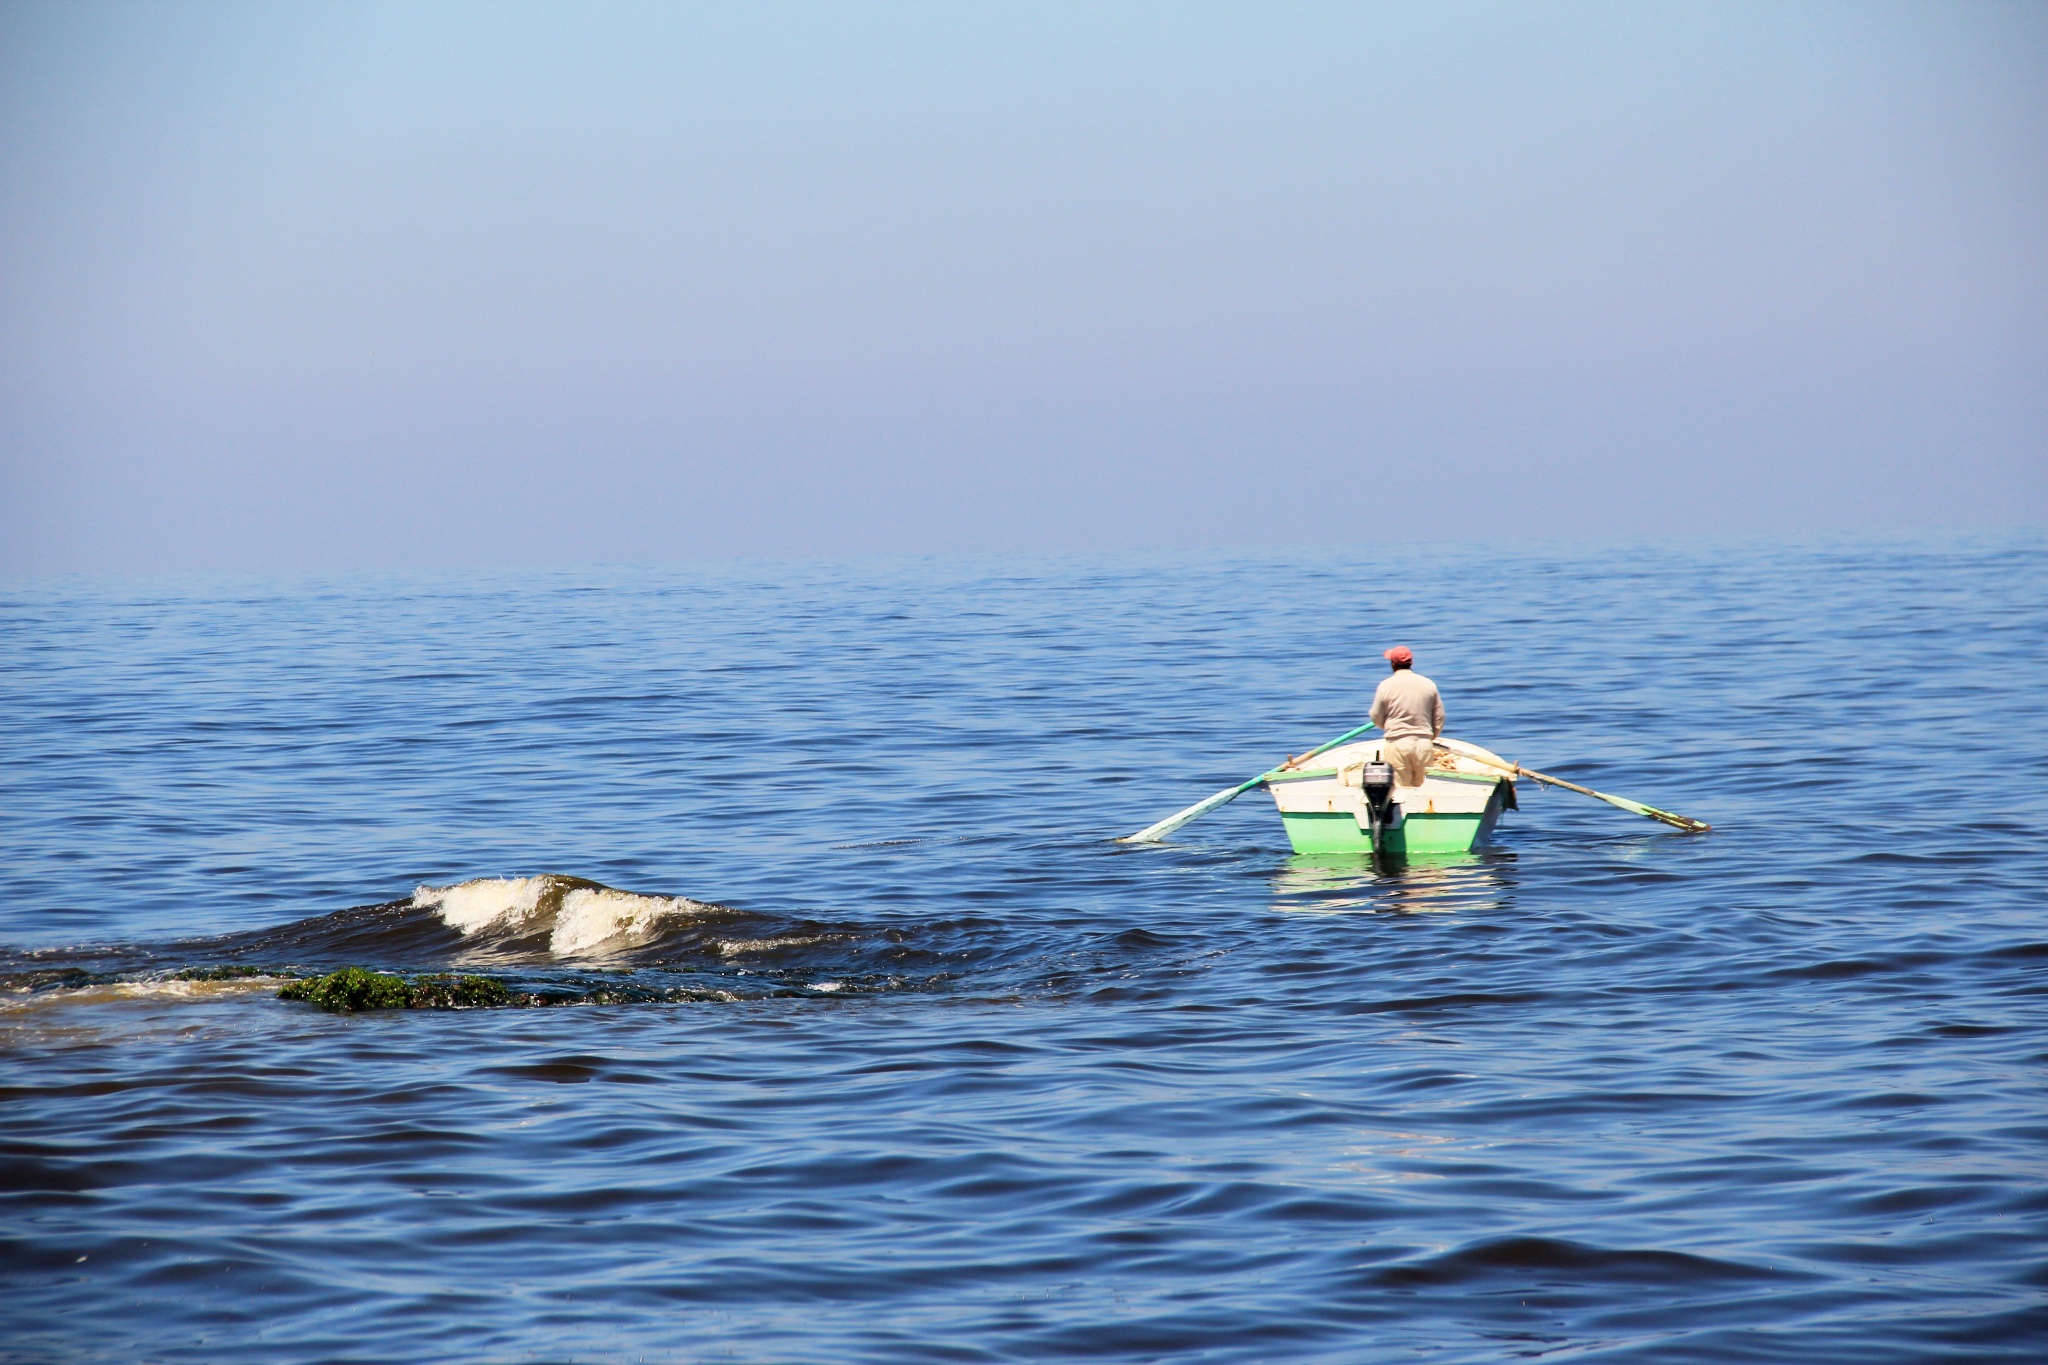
[581, 918]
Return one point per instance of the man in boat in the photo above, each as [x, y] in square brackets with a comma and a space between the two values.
[1410, 714]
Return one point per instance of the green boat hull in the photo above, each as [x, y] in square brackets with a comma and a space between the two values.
[1339, 832]
[1455, 809]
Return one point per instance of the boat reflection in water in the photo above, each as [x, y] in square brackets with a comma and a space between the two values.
[1356, 883]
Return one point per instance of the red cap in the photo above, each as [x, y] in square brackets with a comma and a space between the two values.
[1400, 654]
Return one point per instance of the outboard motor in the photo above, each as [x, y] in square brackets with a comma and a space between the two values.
[1378, 782]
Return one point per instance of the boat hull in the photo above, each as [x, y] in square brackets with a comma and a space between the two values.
[1455, 809]
[1325, 832]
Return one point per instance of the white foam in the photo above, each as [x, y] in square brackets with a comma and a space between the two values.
[600, 918]
[487, 903]
[734, 947]
[138, 990]
[581, 919]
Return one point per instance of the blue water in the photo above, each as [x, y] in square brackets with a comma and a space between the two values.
[926, 1068]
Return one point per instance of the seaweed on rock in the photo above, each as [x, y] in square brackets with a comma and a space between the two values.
[446, 992]
[349, 990]
[231, 972]
[352, 989]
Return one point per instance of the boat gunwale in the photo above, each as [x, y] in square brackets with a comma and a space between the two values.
[1318, 774]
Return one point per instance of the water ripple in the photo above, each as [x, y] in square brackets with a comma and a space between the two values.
[862, 1042]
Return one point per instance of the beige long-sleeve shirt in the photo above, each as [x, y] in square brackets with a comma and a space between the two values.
[1407, 706]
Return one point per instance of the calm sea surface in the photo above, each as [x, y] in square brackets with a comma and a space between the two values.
[878, 1049]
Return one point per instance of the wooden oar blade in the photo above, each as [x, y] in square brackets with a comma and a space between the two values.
[1152, 834]
[1684, 822]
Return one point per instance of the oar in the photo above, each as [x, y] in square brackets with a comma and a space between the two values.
[1684, 822]
[1152, 834]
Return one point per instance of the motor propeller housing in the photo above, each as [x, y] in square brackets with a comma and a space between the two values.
[1377, 780]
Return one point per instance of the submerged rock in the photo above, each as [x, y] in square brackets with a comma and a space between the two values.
[353, 988]
[445, 992]
[349, 990]
[227, 973]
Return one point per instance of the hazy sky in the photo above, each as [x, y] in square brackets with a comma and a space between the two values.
[328, 285]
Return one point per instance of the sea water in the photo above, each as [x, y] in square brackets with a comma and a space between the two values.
[845, 1032]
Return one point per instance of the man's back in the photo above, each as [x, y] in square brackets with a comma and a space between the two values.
[1407, 706]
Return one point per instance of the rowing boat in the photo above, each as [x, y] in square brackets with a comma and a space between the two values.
[1340, 801]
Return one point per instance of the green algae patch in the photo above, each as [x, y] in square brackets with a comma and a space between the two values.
[349, 990]
[352, 989]
[231, 973]
[355, 988]
[445, 992]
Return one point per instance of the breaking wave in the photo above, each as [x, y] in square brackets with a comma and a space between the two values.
[578, 918]
[552, 939]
